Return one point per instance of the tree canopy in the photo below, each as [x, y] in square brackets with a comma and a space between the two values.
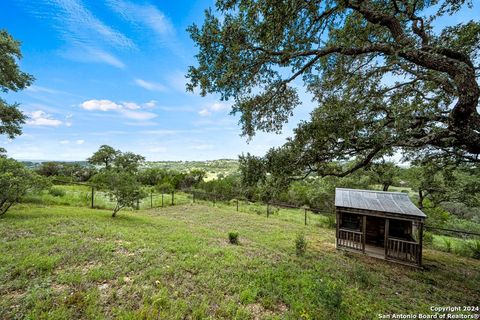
[11, 79]
[385, 77]
[104, 156]
[15, 181]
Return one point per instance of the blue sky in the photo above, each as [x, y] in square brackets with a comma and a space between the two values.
[112, 72]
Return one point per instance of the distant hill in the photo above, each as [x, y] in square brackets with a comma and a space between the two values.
[214, 168]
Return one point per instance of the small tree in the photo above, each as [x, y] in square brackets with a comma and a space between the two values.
[252, 173]
[104, 156]
[128, 161]
[15, 181]
[165, 187]
[122, 187]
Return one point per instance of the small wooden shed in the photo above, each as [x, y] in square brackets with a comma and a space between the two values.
[385, 225]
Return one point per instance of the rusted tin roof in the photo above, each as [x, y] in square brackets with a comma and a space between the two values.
[389, 202]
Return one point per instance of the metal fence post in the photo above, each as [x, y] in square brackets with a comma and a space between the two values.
[237, 204]
[138, 204]
[305, 216]
[162, 199]
[173, 197]
[151, 200]
[268, 209]
[93, 196]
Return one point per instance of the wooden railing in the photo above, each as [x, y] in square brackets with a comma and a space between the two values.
[350, 239]
[403, 250]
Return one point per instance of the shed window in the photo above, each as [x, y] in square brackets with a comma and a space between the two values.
[350, 221]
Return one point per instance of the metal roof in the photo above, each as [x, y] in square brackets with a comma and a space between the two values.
[390, 202]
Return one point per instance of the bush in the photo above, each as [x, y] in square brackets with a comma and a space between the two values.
[16, 181]
[331, 221]
[427, 237]
[474, 247]
[300, 245]
[448, 244]
[233, 237]
[57, 192]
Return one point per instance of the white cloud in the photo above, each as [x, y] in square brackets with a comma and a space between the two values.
[150, 104]
[151, 22]
[147, 15]
[40, 118]
[214, 107]
[151, 86]
[204, 112]
[129, 110]
[99, 55]
[102, 105]
[131, 105]
[88, 38]
[80, 141]
[78, 24]
[64, 142]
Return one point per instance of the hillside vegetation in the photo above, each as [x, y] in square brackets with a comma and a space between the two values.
[177, 263]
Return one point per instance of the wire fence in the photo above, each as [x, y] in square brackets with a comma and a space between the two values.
[84, 194]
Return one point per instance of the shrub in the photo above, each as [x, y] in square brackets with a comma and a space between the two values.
[233, 237]
[427, 237]
[122, 188]
[363, 277]
[300, 245]
[474, 247]
[16, 181]
[57, 192]
[448, 244]
[331, 221]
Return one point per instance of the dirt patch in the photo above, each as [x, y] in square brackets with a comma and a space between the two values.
[259, 312]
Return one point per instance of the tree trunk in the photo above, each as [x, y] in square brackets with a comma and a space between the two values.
[6, 208]
[115, 210]
[386, 186]
[420, 199]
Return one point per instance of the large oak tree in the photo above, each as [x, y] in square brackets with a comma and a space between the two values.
[11, 79]
[385, 76]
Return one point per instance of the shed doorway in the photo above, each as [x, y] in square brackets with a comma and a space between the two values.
[375, 231]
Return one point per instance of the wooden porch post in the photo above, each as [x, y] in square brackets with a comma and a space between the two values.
[364, 232]
[338, 226]
[420, 241]
[385, 243]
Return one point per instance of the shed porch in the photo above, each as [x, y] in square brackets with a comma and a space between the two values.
[379, 233]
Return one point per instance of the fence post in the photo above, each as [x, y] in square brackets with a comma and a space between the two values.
[214, 199]
[162, 199]
[268, 209]
[305, 215]
[193, 193]
[138, 204]
[173, 197]
[151, 199]
[237, 204]
[93, 195]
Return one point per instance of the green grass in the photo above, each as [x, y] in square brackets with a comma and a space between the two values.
[62, 262]
[81, 196]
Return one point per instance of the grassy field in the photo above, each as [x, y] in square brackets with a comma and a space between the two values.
[176, 263]
[81, 196]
